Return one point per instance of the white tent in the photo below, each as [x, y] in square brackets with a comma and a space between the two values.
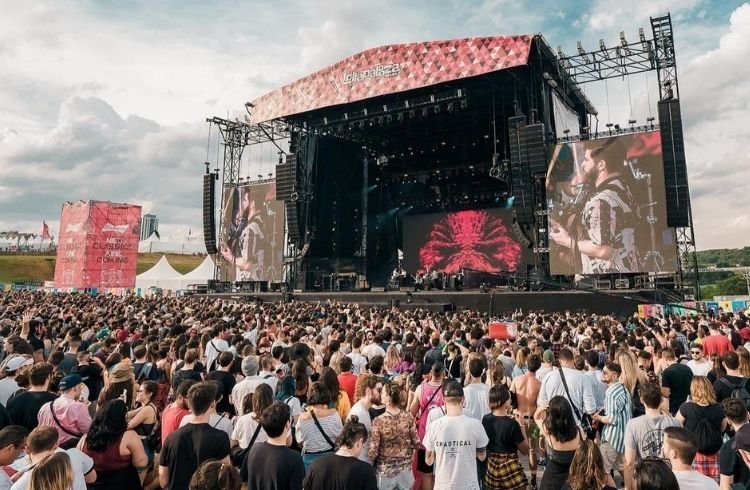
[161, 275]
[153, 244]
[201, 274]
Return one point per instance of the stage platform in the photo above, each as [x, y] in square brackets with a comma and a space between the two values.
[495, 302]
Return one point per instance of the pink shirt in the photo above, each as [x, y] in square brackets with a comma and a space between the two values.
[73, 416]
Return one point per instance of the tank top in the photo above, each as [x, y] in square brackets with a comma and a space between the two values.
[110, 459]
[432, 396]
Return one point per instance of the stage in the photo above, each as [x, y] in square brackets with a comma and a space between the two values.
[494, 302]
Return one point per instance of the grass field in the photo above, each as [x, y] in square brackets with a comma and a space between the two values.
[15, 268]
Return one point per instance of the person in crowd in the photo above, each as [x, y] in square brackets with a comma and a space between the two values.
[359, 362]
[393, 439]
[732, 468]
[53, 472]
[174, 413]
[41, 443]
[633, 379]
[367, 394]
[562, 437]
[521, 366]
[189, 446]
[143, 369]
[654, 474]
[675, 380]
[247, 428]
[576, 388]
[679, 448]
[716, 342]
[187, 370]
[271, 464]
[704, 417]
[216, 420]
[8, 385]
[587, 469]
[285, 393]
[347, 379]
[548, 359]
[215, 475]
[476, 393]
[428, 394]
[343, 469]
[593, 372]
[526, 389]
[143, 419]
[699, 364]
[118, 382]
[392, 360]
[222, 375]
[733, 381]
[506, 438]
[216, 346]
[617, 412]
[118, 453]
[455, 465]
[67, 413]
[318, 426]
[340, 400]
[12, 444]
[24, 407]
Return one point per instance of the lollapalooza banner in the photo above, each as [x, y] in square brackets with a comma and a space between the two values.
[392, 69]
[98, 245]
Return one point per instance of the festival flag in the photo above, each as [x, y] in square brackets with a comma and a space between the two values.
[45, 231]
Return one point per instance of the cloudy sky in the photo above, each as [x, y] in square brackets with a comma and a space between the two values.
[107, 100]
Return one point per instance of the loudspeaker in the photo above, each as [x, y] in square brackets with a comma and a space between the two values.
[287, 190]
[209, 214]
[528, 158]
[675, 167]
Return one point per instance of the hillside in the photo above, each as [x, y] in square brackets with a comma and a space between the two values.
[17, 268]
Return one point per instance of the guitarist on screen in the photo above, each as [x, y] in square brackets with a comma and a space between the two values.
[243, 247]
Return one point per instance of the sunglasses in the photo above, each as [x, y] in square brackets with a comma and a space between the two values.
[695, 352]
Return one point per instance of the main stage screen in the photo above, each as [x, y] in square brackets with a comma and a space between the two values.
[252, 244]
[479, 240]
[607, 213]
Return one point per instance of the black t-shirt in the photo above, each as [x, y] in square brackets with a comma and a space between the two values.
[271, 466]
[24, 407]
[334, 472]
[91, 374]
[454, 366]
[36, 343]
[723, 387]
[731, 464]
[69, 362]
[227, 383]
[677, 378]
[189, 446]
[182, 374]
[5, 419]
[694, 413]
[504, 434]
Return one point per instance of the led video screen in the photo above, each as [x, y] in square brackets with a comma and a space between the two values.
[252, 242]
[477, 240]
[606, 202]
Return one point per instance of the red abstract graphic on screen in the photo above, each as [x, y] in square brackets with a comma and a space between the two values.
[473, 240]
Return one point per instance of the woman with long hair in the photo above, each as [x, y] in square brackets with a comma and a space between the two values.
[703, 407]
[392, 360]
[339, 401]
[587, 469]
[393, 439]
[521, 367]
[562, 437]
[246, 425]
[718, 370]
[744, 356]
[343, 469]
[632, 378]
[504, 470]
[215, 475]
[144, 418]
[54, 472]
[318, 415]
[407, 363]
[496, 374]
[119, 458]
[301, 380]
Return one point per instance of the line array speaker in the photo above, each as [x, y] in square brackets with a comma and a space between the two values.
[528, 158]
[209, 215]
[675, 167]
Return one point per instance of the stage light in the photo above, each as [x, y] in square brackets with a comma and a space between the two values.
[632, 121]
[400, 117]
[260, 177]
[579, 46]
[411, 114]
[602, 46]
[623, 41]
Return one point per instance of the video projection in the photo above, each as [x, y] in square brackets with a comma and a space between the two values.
[607, 211]
[252, 244]
[478, 240]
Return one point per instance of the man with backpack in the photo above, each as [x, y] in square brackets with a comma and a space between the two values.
[733, 385]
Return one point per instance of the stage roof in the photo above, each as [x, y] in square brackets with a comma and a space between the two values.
[391, 69]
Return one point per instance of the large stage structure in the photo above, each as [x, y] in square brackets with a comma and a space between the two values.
[435, 157]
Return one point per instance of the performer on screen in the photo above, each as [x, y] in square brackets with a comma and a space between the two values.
[602, 234]
[243, 247]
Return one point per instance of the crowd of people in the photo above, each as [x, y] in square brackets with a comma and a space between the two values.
[122, 392]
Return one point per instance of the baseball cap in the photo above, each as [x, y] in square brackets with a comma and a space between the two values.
[548, 356]
[69, 382]
[250, 366]
[742, 438]
[18, 362]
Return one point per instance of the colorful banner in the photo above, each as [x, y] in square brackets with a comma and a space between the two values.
[392, 69]
[98, 245]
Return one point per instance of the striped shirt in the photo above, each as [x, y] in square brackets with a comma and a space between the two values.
[617, 408]
[309, 435]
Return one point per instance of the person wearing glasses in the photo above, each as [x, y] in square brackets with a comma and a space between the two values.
[698, 363]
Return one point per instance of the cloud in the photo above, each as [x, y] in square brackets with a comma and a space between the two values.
[609, 14]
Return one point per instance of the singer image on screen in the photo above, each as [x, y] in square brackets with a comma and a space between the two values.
[242, 247]
[601, 228]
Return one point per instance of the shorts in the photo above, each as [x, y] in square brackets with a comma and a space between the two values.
[533, 434]
[612, 459]
[422, 465]
[399, 481]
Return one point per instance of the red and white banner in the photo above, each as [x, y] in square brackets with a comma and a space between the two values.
[392, 69]
[98, 245]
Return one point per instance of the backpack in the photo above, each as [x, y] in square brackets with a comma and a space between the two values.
[708, 436]
[739, 391]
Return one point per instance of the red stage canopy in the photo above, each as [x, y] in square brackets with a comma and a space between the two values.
[392, 69]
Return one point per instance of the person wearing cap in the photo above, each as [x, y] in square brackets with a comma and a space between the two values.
[454, 443]
[732, 467]
[680, 447]
[548, 358]
[8, 385]
[67, 414]
[12, 443]
[250, 367]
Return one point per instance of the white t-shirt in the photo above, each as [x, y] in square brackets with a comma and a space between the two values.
[244, 428]
[477, 400]
[82, 465]
[700, 368]
[373, 350]
[364, 418]
[216, 421]
[214, 347]
[692, 480]
[359, 362]
[455, 440]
